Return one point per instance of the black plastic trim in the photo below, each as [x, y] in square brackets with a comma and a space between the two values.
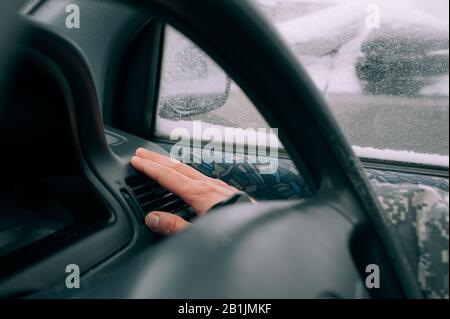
[137, 90]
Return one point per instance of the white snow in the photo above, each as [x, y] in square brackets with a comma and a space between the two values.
[343, 78]
[343, 26]
[330, 21]
[164, 128]
[440, 87]
[402, 156]
[340, 25]
[325, 23]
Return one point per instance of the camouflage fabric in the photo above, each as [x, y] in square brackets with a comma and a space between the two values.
[285, 183]
[419, 216]
[396, 178]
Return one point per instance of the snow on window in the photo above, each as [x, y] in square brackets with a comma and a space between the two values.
[382, 65]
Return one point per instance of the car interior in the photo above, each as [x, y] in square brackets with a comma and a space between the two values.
[77, 103]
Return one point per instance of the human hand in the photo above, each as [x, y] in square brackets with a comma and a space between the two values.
[197, 190]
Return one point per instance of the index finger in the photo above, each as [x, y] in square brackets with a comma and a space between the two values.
[168, 178]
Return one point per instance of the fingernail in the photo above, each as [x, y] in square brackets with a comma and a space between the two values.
[135, 159]
[152, 221]
[141, 151]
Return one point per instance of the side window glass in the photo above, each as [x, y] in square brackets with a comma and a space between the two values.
[381, 65]
[198, 103]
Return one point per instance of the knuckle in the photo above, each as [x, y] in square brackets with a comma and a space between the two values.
[177, 166]
[173, 225]
[196, 190]
[205, 187]
[220, 182]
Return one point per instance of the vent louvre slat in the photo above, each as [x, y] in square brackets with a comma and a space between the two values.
[152, 197]
[151, 194]
[172, 205]
[182, 205]
[139, 187]
[159, 201]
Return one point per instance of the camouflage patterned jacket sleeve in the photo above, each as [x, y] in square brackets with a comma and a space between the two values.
[419, 216]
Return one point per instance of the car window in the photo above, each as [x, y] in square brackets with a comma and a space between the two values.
[381, 65]
[195, 94]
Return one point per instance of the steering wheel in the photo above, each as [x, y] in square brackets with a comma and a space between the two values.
[319, 247]
[6, 8]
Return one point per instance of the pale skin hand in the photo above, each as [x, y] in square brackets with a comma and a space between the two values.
[197, 190]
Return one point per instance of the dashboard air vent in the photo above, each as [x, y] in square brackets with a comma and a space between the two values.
[152, 197]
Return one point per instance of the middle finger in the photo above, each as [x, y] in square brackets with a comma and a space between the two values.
[175, 165]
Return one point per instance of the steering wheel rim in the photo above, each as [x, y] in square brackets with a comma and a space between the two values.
[308, 131]
[313, 139]
[6, 28]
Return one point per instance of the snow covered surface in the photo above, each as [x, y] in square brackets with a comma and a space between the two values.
[337, 26]
[343, 24]
[164, 127]
[440, 87]
[401, 156]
